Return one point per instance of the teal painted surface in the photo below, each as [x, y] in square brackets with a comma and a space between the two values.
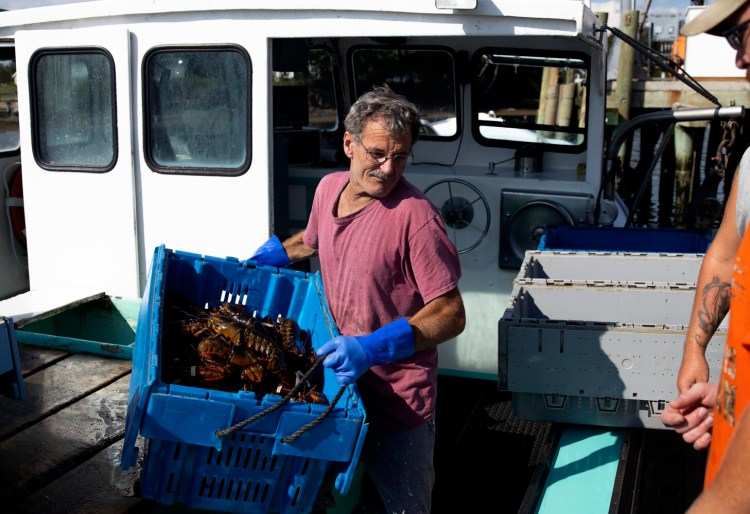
[103, 326]
[583, 472]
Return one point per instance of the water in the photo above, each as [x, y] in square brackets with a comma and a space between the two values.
[664, 216]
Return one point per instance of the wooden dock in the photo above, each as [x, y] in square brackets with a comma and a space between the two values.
[60, 448]
[658, 94]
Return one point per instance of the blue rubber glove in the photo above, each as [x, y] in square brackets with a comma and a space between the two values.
[271, 253]
[350, 356]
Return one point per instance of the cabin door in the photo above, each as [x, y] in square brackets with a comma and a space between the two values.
[203, 160]
[76, 140]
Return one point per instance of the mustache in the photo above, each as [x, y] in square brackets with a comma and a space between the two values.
[380, 175]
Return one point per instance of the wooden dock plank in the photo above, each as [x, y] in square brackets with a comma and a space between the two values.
[35, 358]
[661, 94]
[58, 443]
[96, 486]
[56, 386]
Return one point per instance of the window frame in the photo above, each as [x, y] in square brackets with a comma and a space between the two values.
[145, 111]
[507, 143]
[34, 95]
[455, 57]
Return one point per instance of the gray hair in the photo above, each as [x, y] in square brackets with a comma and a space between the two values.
[400, 116]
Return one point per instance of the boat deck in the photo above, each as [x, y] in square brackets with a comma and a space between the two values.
[60, 447]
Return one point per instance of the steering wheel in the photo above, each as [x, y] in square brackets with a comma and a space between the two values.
[465, 212]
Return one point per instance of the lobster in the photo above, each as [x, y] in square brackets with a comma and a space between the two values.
[237, 348]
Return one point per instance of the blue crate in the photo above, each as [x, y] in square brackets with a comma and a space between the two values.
[250, 470]
[618, 239]
[11, 374]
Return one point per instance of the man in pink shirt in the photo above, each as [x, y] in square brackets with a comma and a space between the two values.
[390, 275]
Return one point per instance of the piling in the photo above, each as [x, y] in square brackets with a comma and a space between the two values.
[625, 66]
[686, 139]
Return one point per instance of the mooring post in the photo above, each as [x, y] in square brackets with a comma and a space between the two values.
[552, 92]
[625, 66]
[624, 84]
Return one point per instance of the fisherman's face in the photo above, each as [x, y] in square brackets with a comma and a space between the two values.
[378, 160]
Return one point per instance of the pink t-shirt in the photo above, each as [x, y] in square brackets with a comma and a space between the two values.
[379, 264]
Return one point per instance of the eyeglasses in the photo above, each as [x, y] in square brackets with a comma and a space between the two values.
[380, 157]
[736, 35]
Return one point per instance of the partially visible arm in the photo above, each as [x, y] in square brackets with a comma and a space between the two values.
[275, 253]
[296, 248]
[350, 356]
[438, 321]
[729, 492]
[711, 302]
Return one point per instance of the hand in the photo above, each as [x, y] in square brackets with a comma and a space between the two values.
[271, 253]
[346, 358]
[693, 369]
[692, 414]
[350, 356]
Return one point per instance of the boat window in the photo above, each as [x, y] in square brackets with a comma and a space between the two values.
[9, 136]
[74, 125]
[521, 99]
[424, 76]
[305, 97]
[197, 118]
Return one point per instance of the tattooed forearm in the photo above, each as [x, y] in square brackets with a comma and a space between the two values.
[715, 306]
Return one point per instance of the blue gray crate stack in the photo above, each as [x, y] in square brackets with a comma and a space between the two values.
[250, 470]
[596, 338]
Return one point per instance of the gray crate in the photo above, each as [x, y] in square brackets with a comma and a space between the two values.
[602, 302]
[610, 267]
[604, 354]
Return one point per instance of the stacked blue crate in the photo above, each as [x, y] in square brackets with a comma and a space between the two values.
[630, 239]
[251, 470]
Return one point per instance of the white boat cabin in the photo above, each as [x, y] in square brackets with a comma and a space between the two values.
[205, 126]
